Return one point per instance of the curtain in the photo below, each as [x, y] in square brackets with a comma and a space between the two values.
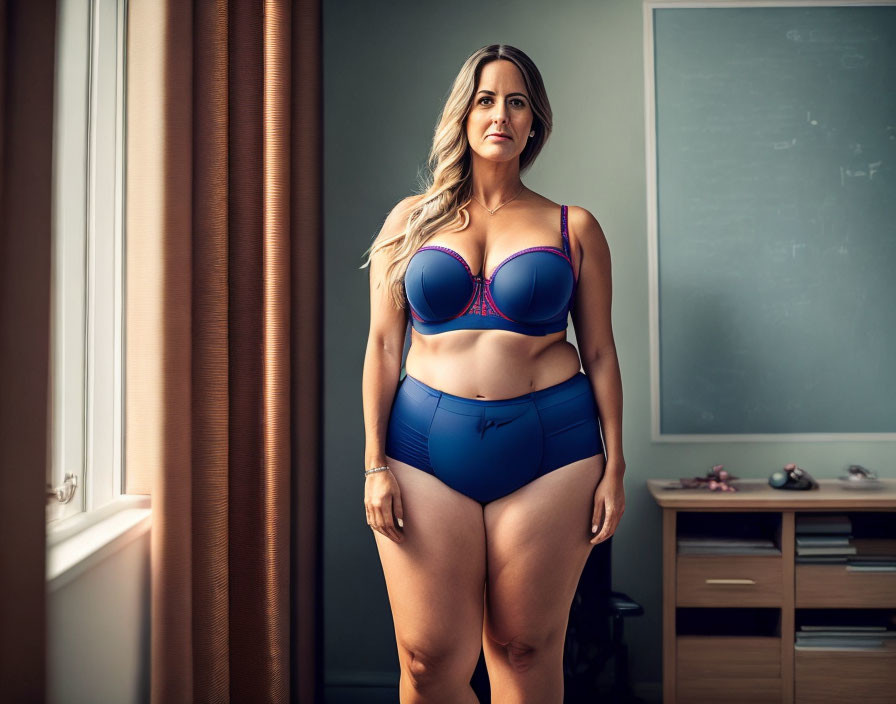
[224, 341]
[27, 60]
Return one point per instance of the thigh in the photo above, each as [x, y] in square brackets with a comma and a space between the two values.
[436, 576]
[537, 543]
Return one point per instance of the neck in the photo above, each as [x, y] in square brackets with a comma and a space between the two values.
[495, 182]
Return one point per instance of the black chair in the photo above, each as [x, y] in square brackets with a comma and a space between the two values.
[594, 635]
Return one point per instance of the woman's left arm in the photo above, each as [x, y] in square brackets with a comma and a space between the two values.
[591, 318]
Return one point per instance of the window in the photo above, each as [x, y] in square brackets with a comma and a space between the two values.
[87, 336]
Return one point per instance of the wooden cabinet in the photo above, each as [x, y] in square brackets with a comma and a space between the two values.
[730, 617]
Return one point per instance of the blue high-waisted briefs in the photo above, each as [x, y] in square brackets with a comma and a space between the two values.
[486, 449]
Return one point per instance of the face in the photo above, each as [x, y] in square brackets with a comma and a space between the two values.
[500, 105]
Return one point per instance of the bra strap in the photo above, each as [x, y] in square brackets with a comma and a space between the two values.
[564, 231]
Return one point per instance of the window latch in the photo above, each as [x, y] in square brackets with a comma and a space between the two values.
[64, 493]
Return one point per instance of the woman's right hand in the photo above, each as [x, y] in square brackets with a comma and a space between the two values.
[382, 497]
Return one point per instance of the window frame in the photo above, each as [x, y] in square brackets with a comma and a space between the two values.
[87, 381]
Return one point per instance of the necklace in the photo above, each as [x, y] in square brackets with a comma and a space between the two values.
[492, 212]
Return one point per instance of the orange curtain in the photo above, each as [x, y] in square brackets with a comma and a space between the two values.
[224, 340]
[27, 58]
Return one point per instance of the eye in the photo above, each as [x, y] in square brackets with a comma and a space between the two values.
[516, 101]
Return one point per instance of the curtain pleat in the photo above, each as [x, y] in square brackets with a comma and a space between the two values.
[307, 350]
[277, 290]
[231, 306]
[27, 61]
[211, 372]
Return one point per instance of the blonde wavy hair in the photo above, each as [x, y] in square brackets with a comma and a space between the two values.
[446, 190]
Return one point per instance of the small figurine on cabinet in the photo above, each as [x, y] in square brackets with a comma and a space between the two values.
[715, 480]
[792, 477]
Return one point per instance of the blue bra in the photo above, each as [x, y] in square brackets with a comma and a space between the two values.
[531, 292]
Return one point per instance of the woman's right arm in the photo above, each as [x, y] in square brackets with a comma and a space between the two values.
[382, 366]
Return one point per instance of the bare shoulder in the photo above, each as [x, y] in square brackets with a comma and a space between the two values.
[397, 217]
[585, 230]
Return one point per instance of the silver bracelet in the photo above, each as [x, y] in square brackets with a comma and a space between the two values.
[375, 469]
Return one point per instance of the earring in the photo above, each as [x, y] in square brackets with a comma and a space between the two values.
[532, 133]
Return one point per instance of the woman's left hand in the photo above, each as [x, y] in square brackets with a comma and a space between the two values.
[609, 503]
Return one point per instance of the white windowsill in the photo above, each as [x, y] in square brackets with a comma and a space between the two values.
[78, 543]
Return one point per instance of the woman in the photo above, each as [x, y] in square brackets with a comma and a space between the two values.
[486, 478]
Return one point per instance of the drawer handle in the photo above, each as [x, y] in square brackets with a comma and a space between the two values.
[731, 581]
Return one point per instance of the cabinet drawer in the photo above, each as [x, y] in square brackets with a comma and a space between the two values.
[833, 585]
[729, 690]
[738, 657]
[822, 676]
[746, 668]
[728, 580]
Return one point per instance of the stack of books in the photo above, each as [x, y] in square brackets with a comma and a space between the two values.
[828, 637]
[823, 539]
[697, 544]
[828, 539]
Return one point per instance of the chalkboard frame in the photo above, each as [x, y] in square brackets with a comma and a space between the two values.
[649, 7]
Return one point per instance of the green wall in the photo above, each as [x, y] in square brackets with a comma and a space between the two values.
[388, 67]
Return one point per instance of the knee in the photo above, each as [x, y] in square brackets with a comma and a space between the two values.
[425, 667]
[532, 650]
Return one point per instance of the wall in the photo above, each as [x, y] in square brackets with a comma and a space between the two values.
[98, 632]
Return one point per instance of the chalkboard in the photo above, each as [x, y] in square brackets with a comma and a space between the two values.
[773, 219]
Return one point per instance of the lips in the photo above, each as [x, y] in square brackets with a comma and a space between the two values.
[500, 135]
